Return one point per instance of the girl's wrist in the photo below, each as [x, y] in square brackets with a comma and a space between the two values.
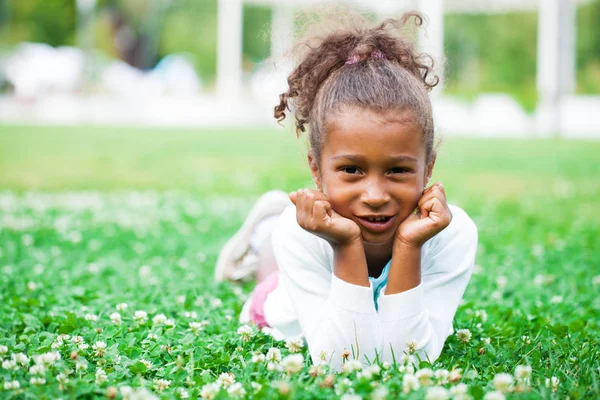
[350, 263]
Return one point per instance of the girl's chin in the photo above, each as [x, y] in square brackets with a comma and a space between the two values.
[372, 240]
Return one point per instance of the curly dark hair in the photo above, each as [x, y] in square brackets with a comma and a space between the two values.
[398, 79]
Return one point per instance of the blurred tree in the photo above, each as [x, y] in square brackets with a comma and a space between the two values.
[588, 48]
[485, 53]
[52, 22]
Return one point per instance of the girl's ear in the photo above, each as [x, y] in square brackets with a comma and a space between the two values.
[314, 170]
[429, 170]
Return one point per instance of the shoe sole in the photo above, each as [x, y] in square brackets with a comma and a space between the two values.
[271, 203]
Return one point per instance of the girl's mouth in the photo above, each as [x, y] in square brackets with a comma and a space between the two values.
[377, 223]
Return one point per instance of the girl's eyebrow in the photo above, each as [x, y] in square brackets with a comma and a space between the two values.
[357, 158]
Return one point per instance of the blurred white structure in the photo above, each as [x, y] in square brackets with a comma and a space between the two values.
[140, 95]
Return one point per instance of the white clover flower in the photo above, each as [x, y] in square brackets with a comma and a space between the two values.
[20, 358]
[501, 281]
[228, 318]
[282, 386]
[191, 315]
[350, 396]
[258, 357]
[553, 382]
[77, 339]
[424, 375]
[293, 363]
[245, 332]
[195, 327]
[256, 386]
[437, 393]
[410, 382]
[412, 346]
[31, 286]
[215, 302]
[170, 322]
[526, 339]
[126, 392]
[3, 349]
[271, 366]
[210, 390]
[37, 380]
[486, 340]
[464, 335]
[11, 385]
[161, 384]
[408, 359]
[9, 364]
[99, 348]
[159, 319]
[63, 337]
[523, 372]
[503, 382]
[140, 316]
[556, 299]
[459, 391]
[294, 344]
[371, 370]
[37, 369]
[226, 379]
[442, 376]
[121, 307]
[81, 365]
[147, 363]
[351, 366]
[180, 300]
[236, 390]
[494, 395]
[182, 393]
[323, 355]
[100, 376]
[62, 378]
[455, 375]
[91, 317]
[274, 355]
[380, 393]
[116, 318]
[596, 280]
[482, 315]
[83, 346]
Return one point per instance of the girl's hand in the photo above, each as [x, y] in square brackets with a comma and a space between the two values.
[431, 217]
[314, 214]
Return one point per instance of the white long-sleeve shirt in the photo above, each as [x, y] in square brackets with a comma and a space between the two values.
[335, 315]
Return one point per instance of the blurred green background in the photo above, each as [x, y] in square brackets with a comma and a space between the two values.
[485, 52]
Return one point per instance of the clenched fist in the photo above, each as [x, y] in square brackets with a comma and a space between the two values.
[431, 217]
[314, 214]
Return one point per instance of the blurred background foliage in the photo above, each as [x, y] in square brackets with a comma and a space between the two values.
[485, 52]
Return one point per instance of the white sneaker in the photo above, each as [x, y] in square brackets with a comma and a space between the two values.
[236, 261]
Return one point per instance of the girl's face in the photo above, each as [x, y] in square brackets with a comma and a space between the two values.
[373, 168]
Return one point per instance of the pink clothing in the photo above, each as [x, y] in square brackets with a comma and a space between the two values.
[259, 295]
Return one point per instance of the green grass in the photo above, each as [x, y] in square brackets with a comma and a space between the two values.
[93, 217]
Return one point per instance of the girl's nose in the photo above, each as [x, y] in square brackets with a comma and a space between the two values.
[375, 195]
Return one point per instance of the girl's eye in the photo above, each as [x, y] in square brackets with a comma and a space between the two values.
[399, 170]
[350, 170]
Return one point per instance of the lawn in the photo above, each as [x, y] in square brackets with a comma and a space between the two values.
[108, 238]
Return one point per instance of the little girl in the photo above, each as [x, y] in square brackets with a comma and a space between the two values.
[373, 263]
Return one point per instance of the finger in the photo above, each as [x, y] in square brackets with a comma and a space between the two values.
[434, 192]
[321, 210]
[293, 196]
[441, 188]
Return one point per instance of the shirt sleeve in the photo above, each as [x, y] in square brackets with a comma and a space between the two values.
[334, 315]
[424, 314]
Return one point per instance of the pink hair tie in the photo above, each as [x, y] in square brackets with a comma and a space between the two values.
[354, 58]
